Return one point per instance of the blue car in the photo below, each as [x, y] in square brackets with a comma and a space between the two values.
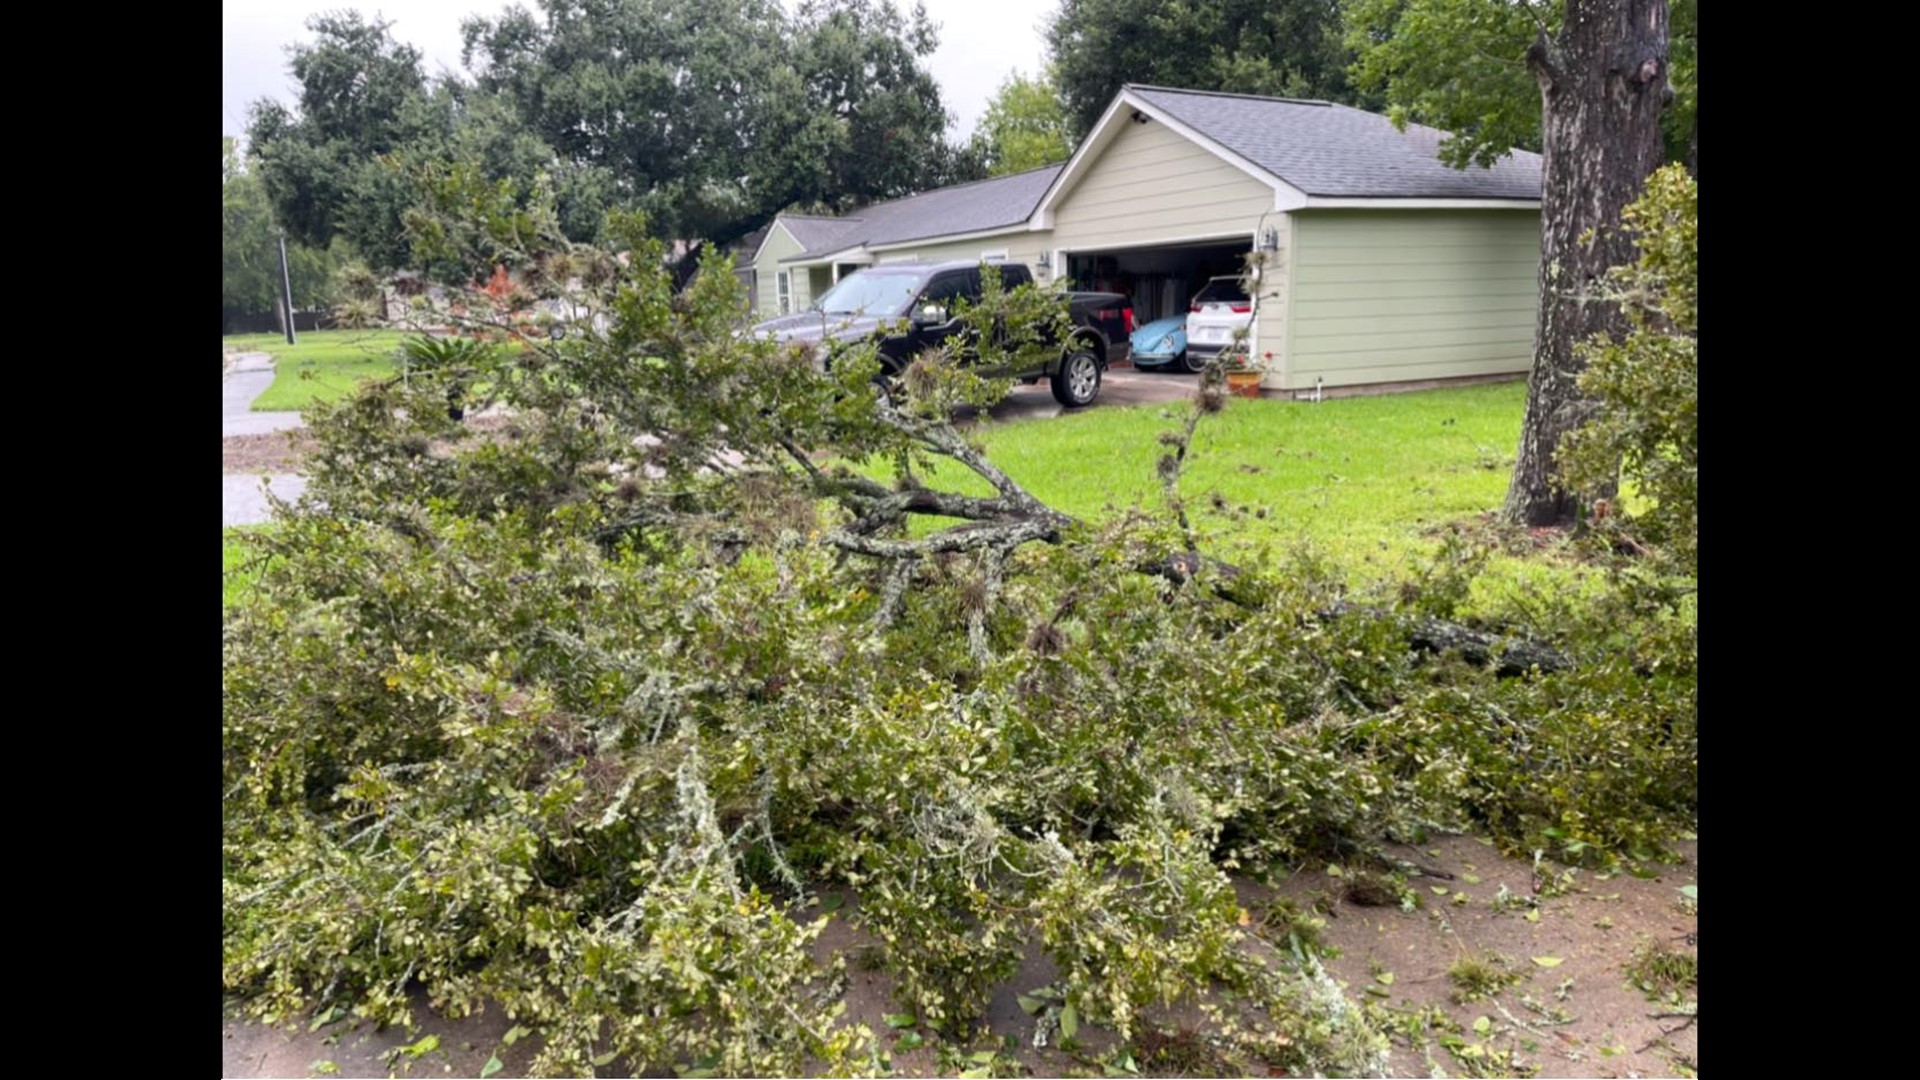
[1162, 341]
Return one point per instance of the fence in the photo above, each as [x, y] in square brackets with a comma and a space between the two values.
[254, 322]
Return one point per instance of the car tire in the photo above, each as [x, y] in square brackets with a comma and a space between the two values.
[1077, 381]
[883, 390]
[1191, 364]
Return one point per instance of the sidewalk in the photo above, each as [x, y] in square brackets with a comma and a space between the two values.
[242, 501]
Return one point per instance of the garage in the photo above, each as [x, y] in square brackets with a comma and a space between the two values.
[1161, 280]
[1382, 267]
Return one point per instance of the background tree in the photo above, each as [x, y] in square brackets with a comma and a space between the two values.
[712, 120]
[1292, 48]
[1024, 126]
[1585, 81]
[249, 247]
[325, 164]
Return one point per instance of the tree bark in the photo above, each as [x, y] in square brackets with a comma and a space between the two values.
[1602, 80]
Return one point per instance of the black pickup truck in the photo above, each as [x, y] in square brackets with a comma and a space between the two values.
[909, 306]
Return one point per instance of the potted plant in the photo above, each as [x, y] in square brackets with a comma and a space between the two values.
[1244, 374]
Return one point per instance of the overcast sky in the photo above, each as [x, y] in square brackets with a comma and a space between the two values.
[980, 42]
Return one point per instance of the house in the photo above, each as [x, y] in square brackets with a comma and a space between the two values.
[802, 256]
[1384, 267]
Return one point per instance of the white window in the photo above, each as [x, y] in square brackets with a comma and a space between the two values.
[999, 256]
[783, 285]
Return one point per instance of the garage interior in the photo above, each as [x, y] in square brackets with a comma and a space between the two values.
[1160, 279]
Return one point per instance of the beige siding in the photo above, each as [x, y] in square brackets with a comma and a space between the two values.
[1021, 247]
[1152, 186]
[1398, 295]
[779, 245]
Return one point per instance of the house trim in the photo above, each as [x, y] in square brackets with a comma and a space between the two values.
[1323, 202]
[1285, 195]
[952, 238]
[856, 254]
[777, 224]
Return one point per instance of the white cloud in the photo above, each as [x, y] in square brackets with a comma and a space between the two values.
[981, 41]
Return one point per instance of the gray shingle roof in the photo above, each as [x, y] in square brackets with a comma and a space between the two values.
[1342, 152]
[998, 203]
[818, 233]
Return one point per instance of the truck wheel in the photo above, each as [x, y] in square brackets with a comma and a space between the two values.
[1077, 382]
[883, 391]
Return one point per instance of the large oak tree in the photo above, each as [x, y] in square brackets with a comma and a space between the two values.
[1586, 81]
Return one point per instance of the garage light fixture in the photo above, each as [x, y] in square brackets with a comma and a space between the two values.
[1270, 239]
[1045, 261]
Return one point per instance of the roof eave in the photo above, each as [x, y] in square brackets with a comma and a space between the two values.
[950, 238]
[777, 224]
[855, 254]
[1285, 195]
[1418, 202]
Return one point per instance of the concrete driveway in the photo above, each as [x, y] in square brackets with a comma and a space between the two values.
[242, 500]
[1119, 387]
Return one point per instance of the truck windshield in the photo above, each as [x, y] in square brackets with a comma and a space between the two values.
[872, 292]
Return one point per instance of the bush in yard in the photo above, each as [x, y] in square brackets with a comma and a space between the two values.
[1646, 385]
[579, 715]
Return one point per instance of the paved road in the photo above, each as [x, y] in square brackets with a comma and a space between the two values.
[241, 500]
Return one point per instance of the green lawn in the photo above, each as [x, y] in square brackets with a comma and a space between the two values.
[1360, 478]
[324, 366]
[238, 567]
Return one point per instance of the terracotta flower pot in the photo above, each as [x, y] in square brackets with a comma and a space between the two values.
[1244, 384]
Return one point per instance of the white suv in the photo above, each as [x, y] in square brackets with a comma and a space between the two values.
[1219, 310]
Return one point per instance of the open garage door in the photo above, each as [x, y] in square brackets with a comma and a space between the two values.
[1161, 279]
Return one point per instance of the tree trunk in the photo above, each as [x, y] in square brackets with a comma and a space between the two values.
[1603, 80]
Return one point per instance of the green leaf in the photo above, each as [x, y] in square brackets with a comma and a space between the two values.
[325, 1017]
[605, 1059]
[1385, 978]
[912, 1040]
[1031, 1005]
[977, 1074]
[900, 1020]
[515, 1034]
[831, 903]
[493, 1065]
[1548, 961]
[1533, 915]
[1482, 1025]
[1471, 879]
[1691, 892]
[426, 1045]
[324, 1068]
[1069, 1021]
[981, 1057]
[1438, 890]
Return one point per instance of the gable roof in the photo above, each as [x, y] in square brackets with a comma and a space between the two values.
[1341, 152]
[998, 204]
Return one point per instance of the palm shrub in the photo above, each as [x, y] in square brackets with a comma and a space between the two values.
[453, 361]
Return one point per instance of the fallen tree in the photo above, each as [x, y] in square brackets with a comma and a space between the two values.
[577, 714]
